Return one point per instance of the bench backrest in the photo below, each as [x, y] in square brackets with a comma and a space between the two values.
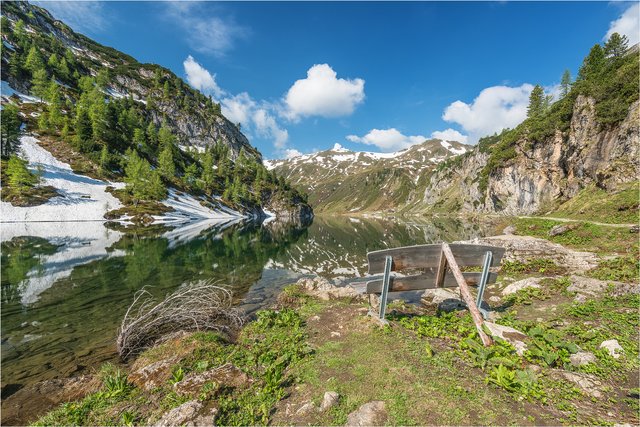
[427, 259]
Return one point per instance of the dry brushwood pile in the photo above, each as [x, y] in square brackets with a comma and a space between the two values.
[198, 306]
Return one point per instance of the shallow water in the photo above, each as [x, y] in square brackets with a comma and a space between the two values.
[66, 286]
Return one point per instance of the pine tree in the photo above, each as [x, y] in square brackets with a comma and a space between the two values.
[19, 32]
[39, 83]
[63, 69]
[43, 121]
[9, 129]
[53, 62]
[208, 173]
[142, 182]
[152, 134]
[565, 83]
[139, 138]
[593, 64]
[84, 133]
[54, 108]
[616, 46]
[166, 166]
[165, 137]
[19, 176]
[536, 102]
[191, 175]
[34, 61]
[104, 160]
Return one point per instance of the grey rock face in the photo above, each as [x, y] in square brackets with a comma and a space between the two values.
[544, 173]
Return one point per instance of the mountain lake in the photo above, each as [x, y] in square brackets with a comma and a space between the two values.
[66, 286]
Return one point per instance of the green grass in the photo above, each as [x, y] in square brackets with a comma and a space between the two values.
[585, 236]
[623, 269]
[595, 204]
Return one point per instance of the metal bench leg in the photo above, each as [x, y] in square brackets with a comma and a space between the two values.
[385, 288]
[483, 283]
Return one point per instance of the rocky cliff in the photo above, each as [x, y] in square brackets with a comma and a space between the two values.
[591, 137]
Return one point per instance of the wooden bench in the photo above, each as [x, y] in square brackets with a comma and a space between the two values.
[437, 266]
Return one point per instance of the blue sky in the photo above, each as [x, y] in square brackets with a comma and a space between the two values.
[371, 76]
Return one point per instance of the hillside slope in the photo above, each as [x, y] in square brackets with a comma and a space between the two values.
[114, 119]
[192, 117]
[340, 180]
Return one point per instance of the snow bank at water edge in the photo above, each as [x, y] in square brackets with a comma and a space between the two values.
[81, 198]
[188, 208]
[79, 243]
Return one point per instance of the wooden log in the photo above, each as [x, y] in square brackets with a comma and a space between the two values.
[466, 294]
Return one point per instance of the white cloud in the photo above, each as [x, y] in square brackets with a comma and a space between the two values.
[627, 24]
[205, 33]
[267, 127]
[238, 108]
[495, 108]
[323, 94]
[290, 153]
[81, 16]
[449, 135]
[387, 139]
[200, 78]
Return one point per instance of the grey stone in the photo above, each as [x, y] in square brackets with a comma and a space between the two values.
[370, 414]
[588, 383]
[329, 400]
[511, 335]
[325, 290]
[559, 229]
[305, 409]
[509, 230]
[589, 287]
[634, 229]
[184, 413]
[531, 282]
[582, 358]
[613, 347]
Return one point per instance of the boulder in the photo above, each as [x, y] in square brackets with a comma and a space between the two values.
[559, 229]
[511, 335]
[329, 400]
[582, 358]
[634, 229]
[589, 287]
[613, 347]
[184, 413]
[152, 375]
[510, 229]
[587, 383]
[370, 414]
[530, 282]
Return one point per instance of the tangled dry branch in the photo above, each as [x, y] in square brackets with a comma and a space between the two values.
[195, 306]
